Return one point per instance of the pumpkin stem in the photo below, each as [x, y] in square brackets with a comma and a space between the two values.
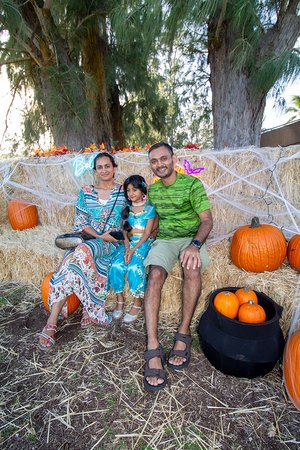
[255, 222]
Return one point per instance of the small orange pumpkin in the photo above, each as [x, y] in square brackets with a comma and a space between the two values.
[251, 313]
[293, 252]
[72, 302]
[258, 247]
[291, 368]
[227, 303]
[22, 215]
[245, 294]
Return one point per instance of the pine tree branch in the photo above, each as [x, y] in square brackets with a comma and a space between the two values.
[7, 49]
[282, 36]
[94, 14]
[14, 61]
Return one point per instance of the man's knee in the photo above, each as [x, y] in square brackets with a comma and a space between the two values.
[157, 276]
[192, 275]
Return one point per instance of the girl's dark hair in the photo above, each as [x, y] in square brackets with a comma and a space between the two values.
[105, 155]
[138, 182]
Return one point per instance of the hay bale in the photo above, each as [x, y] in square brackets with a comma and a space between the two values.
[244, 182]
[28, 255]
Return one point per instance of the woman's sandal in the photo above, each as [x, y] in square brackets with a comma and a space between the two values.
[186, 354]
[86, 321]
[50, 340]
[158, 373]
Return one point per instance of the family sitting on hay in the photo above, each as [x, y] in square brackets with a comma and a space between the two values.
[178, 204]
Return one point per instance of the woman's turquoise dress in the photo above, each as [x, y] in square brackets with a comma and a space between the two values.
[84, 270]
[135, 269]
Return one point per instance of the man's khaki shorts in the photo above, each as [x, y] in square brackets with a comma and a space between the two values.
[165, 252]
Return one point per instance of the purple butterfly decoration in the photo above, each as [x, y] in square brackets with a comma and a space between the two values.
[189, 169]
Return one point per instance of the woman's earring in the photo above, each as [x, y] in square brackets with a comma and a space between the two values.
[144, 197]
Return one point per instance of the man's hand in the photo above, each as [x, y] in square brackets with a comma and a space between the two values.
[190, 258]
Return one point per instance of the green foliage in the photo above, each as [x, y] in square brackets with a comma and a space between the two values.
[155, 57]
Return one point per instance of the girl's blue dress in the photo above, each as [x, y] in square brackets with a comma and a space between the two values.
[135, 270]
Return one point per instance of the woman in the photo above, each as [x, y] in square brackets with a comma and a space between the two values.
[84, 270]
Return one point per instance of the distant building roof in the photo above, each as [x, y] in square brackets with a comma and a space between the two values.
[284, 135]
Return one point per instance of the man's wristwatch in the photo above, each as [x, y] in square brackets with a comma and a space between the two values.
[196, 243]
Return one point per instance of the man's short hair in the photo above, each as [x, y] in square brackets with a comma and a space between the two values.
[161, 144]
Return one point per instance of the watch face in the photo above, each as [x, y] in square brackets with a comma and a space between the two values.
[196, 243]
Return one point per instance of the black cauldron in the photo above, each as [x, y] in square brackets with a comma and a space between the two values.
[238, 348]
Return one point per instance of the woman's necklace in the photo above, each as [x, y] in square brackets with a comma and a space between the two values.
[104, 189]
[141, 203]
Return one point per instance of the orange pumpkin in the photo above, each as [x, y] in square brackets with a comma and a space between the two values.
[22, 215]
[251, 313]
[291, 368]
[246, 294]
[72, 302]
[258, 247]
[293, 252]
[227, 303]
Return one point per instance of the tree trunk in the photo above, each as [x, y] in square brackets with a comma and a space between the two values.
[74, 100]
[236, 106]
[94, 48]
[116, 118]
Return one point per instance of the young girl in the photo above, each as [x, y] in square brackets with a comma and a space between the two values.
[139, 220]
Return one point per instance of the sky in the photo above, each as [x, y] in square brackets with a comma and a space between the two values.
[273, 116]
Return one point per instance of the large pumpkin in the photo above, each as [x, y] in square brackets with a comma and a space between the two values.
[245, 294]
[293, 252]
[22, 215]
[291, 368]
[251, 313]
[227, 303]
[258, 247]
[71, 304]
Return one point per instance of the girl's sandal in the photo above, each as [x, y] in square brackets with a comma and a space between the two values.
[117, 313]
[129, 318]
[158, 373]
[50, 340]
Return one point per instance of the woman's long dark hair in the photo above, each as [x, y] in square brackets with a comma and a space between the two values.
[105, 155]
[138, 182]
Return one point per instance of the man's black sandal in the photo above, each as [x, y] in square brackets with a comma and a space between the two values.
[158, 373]
[186, 354]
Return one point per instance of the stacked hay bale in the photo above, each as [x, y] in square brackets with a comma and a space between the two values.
[240, 184]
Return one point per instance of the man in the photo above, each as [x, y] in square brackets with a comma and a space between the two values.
[185, 221]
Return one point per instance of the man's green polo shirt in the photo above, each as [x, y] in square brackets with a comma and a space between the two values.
[178, 206]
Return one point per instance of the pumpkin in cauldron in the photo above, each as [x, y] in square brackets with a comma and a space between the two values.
[245, 294]
[227, 304]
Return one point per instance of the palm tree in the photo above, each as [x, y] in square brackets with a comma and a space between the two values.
[294, 109]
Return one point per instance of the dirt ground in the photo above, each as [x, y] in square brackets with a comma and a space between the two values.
[87, 393]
